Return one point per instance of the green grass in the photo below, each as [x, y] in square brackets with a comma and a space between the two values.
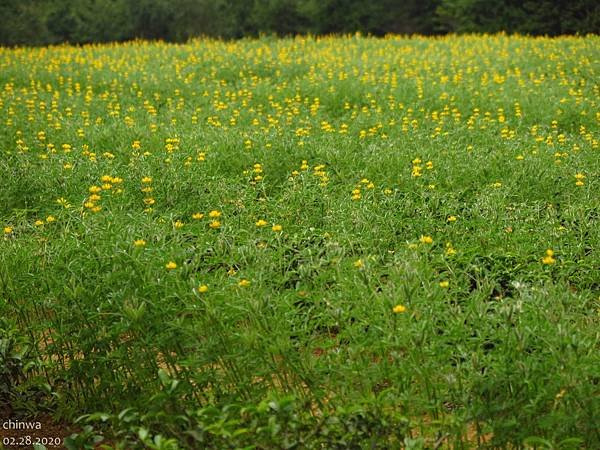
[499, 132]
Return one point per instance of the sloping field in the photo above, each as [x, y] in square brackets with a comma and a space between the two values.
[303, 243]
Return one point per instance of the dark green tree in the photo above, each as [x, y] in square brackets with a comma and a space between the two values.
[549, 17]
[38, 22]
[24, 22]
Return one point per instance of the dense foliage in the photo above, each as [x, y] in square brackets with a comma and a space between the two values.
[82, 21]
[338, 242]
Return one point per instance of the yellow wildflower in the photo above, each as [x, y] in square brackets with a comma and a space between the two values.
[426, 240]
[549, 258]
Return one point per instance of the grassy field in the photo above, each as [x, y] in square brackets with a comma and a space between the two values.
[303, 243]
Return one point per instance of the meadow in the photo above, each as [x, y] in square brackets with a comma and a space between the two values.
[337, 242]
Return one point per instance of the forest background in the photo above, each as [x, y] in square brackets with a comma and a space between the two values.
[43, 22]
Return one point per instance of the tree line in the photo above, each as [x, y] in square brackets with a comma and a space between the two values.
[39, 22]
